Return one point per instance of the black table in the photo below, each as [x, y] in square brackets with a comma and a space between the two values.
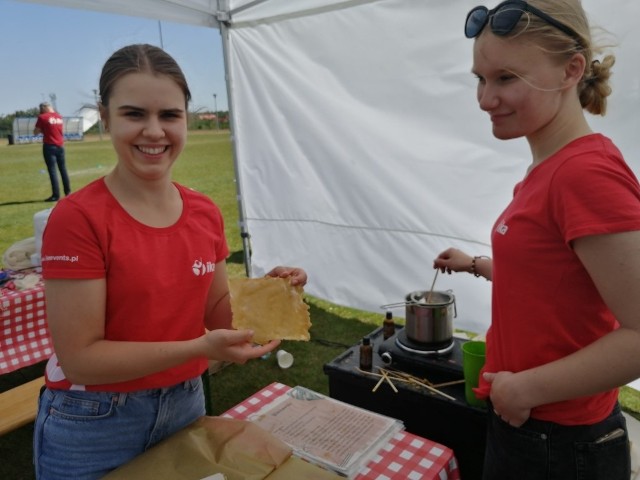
[453, 423]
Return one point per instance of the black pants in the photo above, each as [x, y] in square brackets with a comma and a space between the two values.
[548, 451]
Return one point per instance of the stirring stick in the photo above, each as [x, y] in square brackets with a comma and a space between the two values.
[433, 284]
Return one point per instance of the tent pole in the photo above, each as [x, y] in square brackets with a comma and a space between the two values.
[224, 19]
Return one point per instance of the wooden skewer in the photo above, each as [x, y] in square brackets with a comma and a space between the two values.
[447, 384]
[383, 377]
[366, 372]
[428, 385]
[378, 384]
[397, 379]
[386, 377]
[408, 379]
[434, 390]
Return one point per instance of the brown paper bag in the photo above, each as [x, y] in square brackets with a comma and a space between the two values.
[236, 448]
[296, 468]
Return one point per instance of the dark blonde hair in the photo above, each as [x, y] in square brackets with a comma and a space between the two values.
[594, 87]
[140, 58]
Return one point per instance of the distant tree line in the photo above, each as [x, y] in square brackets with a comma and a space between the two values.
[6, 121]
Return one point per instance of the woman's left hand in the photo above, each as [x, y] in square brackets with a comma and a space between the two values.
[297, 275]
[234, 345]
[507, 398]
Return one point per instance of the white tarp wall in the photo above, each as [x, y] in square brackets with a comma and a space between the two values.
[362, 151]
[360, 148]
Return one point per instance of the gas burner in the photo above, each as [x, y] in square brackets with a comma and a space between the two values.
[442, 360]
[435, 349]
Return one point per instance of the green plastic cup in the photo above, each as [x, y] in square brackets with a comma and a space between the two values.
[473, 357]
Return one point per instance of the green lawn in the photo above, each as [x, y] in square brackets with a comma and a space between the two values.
[206, 165]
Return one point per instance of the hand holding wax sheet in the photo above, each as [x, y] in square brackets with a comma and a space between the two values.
[271, 307]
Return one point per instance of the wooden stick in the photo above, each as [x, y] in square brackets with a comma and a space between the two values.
[433, 284]
[435, 390]
[397, 379]
[447, 384]
[411, 380]
[378, 384]
[428, 385]
[410, 377]
[383, 377]
[367, 372]
[384, 374]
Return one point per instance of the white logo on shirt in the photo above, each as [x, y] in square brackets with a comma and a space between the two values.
[200, 268]
[502, 228]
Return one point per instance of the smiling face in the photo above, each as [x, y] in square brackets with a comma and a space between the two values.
[147, 119]
[520, 87]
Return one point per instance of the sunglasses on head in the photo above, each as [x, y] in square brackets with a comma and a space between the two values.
[504, 18]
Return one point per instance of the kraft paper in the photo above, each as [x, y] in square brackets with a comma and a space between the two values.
[236, 448]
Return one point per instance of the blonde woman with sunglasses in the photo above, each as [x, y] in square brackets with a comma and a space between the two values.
[565, 272]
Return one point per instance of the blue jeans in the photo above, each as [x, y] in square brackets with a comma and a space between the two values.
[54, 157]
[541, 450]
[84, 435]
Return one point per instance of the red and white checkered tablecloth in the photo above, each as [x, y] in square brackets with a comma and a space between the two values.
[406, 457]
[24, 336]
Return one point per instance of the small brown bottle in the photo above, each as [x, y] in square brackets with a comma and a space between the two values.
[388, 327]
[366, 354]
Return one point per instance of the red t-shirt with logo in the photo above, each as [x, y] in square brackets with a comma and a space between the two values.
[544, 304]
[51, 125]
[157, 278]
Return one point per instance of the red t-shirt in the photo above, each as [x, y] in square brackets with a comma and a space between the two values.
[157, 278]
[544, 304]
[51, 125]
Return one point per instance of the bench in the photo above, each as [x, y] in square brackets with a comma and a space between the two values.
[19, 405]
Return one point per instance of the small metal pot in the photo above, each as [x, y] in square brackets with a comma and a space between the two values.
[430, 323]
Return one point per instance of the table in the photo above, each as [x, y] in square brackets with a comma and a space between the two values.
[407, 456]
[451, 422]
[24, 336]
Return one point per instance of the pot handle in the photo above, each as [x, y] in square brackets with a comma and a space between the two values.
[395, 305]
[455, 309]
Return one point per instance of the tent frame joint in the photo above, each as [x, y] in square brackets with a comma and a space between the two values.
[222, 16]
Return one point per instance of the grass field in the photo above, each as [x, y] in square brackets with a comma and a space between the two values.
[206, 165]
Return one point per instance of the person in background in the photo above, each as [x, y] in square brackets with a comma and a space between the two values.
[565, 266]
[50, 125]
[137, 293]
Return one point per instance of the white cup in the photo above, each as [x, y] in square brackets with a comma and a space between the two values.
[285, 359]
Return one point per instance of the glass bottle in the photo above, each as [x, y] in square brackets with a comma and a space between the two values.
[388, 327]
[366, 354]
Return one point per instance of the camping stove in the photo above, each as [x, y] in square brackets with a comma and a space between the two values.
[400, 352]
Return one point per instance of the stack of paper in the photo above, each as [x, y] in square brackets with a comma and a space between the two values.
[325, 431]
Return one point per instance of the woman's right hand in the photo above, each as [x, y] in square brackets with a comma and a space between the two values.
[234, 346]
[453, 260]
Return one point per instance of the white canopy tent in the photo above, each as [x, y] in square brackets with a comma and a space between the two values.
[360, 150]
